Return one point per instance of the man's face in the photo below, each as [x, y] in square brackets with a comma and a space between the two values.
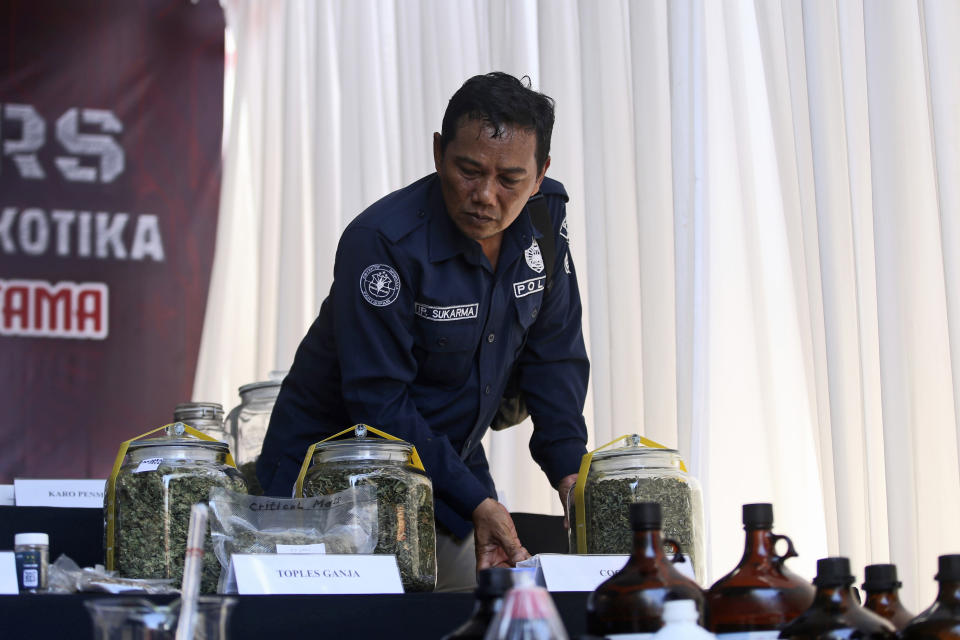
[486, 181]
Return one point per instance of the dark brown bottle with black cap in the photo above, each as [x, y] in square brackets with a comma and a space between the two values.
[835, 614]
[941, 620]
[760, 595]
[492, 584]
[631, 602]
[881, 586]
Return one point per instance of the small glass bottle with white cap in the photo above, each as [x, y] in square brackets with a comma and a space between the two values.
[32, 553]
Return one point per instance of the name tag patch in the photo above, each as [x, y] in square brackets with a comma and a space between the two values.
[525, 288]
[446, 314]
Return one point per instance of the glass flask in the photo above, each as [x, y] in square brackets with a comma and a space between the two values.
[760, 595]
[636, 473]
[941, 620]
[404, 498]
[206, 417]
[247, 423]
[882, 588]
[528, 613]
[631, 602]
[140, 619]
[835, 614]
[159, 481]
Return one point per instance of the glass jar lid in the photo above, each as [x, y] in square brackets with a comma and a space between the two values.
[263, 384]
[635, 454]
[193, 410]
[362, 448]
[175, 440]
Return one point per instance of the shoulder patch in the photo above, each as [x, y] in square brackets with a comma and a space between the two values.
[533, 257]
[380, 285]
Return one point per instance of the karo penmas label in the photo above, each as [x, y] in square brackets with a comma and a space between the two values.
[59, 493]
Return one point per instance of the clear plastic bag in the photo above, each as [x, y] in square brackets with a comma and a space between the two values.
[344, 522]
[66, 576]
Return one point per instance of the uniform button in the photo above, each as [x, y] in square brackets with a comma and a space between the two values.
[491, 337]
[442, 342]
[533, 314]
[421, 213]
[487, 390]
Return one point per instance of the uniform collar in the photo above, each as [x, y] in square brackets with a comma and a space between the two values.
[447, 241]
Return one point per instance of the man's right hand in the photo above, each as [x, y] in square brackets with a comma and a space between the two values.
[495, 536]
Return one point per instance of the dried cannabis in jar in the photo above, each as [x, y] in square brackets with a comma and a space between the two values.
[153, 497]
[635, 473]
[405, 525]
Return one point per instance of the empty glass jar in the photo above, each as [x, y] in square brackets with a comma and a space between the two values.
[206, 417]
[247, 423]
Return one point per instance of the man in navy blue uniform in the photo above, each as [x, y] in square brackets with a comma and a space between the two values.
[440, 293]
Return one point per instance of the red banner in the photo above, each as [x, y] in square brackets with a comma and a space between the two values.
[110, 126]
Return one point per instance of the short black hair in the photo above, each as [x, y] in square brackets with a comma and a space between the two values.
[499, 100]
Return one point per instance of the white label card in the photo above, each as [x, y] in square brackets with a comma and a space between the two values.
[8, 574]
[59, 493]
[574, 572]
[150, 464]
[269, 574]
[320, 547]
[750, 635]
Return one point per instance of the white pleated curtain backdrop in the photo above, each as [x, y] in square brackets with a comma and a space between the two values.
[765, 218]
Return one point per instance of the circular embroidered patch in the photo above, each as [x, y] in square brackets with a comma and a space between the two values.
[380, 285]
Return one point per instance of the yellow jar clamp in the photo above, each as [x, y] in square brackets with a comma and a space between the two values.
[360, 431]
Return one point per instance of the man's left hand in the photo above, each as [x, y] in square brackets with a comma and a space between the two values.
[495, 537]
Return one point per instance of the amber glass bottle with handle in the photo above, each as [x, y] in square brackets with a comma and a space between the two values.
[760, 595]
[941, 620]
[881, 586]
[631, 602]
[835, 614]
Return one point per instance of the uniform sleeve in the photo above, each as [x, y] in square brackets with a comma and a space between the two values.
[554, 368]
[373, 297]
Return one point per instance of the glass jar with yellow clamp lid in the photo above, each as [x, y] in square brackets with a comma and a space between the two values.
[154, 483]
[640, 470]
[392, 467]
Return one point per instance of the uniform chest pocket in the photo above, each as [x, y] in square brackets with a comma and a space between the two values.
[527, 310]
[444, 352]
